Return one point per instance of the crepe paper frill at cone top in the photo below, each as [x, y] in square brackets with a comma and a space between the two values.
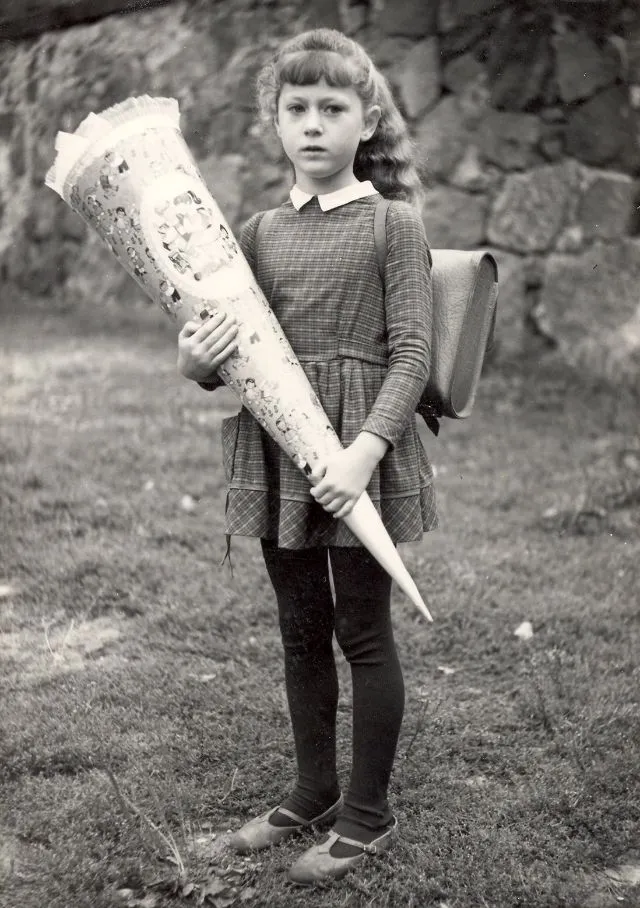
[129, 174]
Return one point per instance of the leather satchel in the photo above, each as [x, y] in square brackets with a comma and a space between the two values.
[465, 296]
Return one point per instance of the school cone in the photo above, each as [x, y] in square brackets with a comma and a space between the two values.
[363, 521]
[129, 174]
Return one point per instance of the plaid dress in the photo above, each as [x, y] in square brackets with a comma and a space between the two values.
[366, 354]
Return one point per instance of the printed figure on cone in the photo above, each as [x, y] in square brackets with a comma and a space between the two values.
[363, 340]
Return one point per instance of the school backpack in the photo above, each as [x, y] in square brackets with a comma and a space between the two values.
[465, 296]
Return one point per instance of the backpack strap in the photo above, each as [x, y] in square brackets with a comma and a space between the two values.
[380, 234]
[263, 226]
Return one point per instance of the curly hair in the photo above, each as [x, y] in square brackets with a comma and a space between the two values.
[388, 157]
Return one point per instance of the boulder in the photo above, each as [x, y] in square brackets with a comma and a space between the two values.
[418, 78]
[462, 71]
[509, 139]
[26, 20]
[602, 130]
[389, 51]
[582, 68]
[531, 209]
[633, 53]
[454, 219]
[520, 61]
[442, 138]
[454, 13]
[473, 174]
[594, 292]
[551, 142]
[411, 18]
[223, 177]
[607, 207]
[512, 306]
[473, 34]
[323, 14]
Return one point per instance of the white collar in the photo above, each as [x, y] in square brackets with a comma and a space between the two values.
[329, 200]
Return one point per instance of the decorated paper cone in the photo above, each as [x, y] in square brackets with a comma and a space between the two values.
[130, 175]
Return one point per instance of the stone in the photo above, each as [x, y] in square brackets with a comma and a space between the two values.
[442, 138]
[454, 219]
[224, 179]
[323, 14]
[462, 71]
[472, 34]
[512, 306]
[390, 51]
[454, 13]
[571, 239]
[633, 54]
[592, 293]
[473, 101]
[531, 209]
[607, 207]
[26, 20]
[520, 61]
[551, 142]
[354, 16]
[412, 18]
[42, 222]
[7, 119]
[418, 78]
[602, 130]
[509, 139]
[472, 174]
[581, 66]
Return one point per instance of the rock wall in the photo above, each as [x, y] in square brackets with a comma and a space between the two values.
[526, 116]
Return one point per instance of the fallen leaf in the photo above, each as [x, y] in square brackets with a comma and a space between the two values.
[249, 893]
[625, 874]
[6, 589]
[149, 485]
[188, 503]
[524, 631]
[213, 887]
[149, 901]
[187, 889]
[446, 670]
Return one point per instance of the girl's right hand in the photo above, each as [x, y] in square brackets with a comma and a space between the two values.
[204, 346]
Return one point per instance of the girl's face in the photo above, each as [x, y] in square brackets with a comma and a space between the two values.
[320, 128]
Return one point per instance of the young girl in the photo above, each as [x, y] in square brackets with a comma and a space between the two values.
[363, 340]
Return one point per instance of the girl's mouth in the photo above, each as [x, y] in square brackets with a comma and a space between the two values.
[313, 149]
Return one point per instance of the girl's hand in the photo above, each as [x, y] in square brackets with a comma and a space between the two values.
[341, 480]
[204, 346]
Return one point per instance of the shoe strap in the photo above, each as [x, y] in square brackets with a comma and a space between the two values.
[370, 848]
[334, 838]
[299, 821]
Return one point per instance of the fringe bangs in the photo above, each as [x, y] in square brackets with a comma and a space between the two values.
[307, 67]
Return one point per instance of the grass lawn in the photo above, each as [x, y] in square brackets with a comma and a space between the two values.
[127, 649]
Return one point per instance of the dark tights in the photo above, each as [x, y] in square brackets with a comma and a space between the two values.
[362, 623]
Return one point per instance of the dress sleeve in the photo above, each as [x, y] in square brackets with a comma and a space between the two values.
[247, 244]
[408, 312]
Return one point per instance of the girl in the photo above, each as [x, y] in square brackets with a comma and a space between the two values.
[363, 340]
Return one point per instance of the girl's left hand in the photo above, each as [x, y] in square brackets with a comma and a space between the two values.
[340, 481]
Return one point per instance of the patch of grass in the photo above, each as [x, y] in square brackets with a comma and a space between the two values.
[126, 648]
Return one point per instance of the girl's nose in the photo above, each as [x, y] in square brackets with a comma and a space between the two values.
[312, 123]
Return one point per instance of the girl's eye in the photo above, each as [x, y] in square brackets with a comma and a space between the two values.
[334, 108]
[295, 108]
